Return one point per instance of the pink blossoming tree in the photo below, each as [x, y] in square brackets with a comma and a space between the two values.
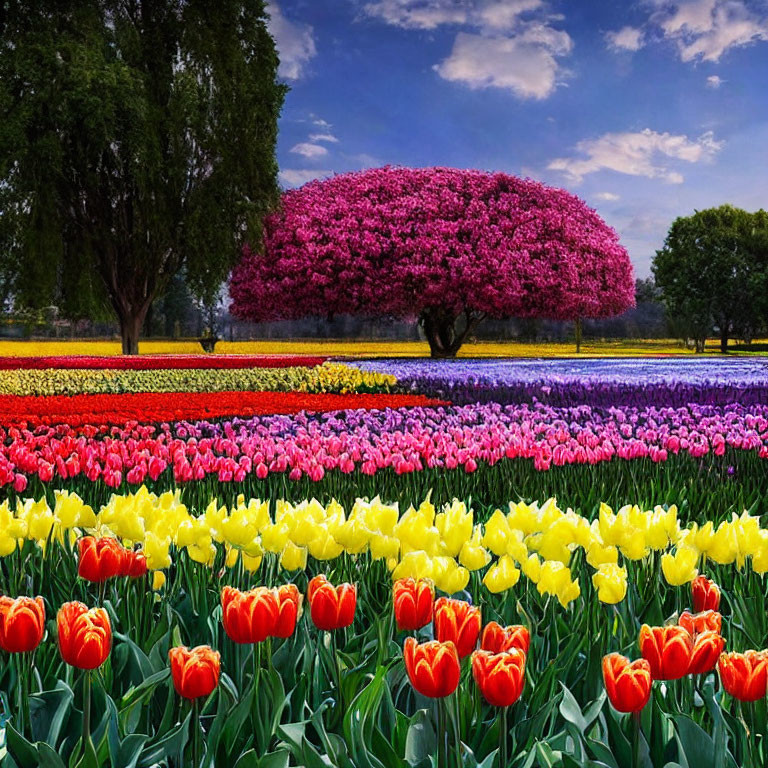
[445, 246]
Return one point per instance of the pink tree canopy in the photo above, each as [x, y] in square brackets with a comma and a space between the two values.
[443, 245]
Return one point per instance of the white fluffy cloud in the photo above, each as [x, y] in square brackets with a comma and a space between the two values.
[509, 44]
[307, 149]
[295, 177]
[642, 153]
[626, 39]
[714, 81]
[429, 14]
[702, 30]
[295, 42]
[329, 137]
[706, 29]
[525, 63]
[608, 196]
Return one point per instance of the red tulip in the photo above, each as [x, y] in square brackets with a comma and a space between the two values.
[85, 635]
[249, 617]
[288, 610]
[705, 594]
[433, 668]
[331, 607]
[744, 675]
[22, 623]
[134, 564]
[458, 622]
[628, 685]
[499, 676]
[668, 651]
[413, 603]
[100, 559]
[707, 647]
[496, 638]
[697, 623]
[195, 672]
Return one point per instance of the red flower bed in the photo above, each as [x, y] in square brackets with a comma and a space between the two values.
[150, 407]
[154, 362]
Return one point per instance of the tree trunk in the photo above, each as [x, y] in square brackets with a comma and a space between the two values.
[578, 335]
[130, 331]
[443, 337]
[724, 338]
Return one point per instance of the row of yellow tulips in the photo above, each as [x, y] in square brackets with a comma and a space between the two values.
[539, 541]
[328, 377]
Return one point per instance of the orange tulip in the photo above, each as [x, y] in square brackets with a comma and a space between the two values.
[288, 610]
[705, 594]
[22, 623]
[744, 675]
[195, 672]
[413, 602]
[628, 684]
[433, 668]
[707, 647]
[134, 564]
[100, 559]
[667, 649]
[696, 623]
[249, 617]
[459, 622]
[331, 607]
[499, 676]
[496, 638]
[85, 635]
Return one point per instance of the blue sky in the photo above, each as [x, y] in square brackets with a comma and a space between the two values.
[647, 110]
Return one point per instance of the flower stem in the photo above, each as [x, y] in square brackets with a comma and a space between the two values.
[442, 736]
[196, 734]
[503, 733]
[86, 710]
[636, 740]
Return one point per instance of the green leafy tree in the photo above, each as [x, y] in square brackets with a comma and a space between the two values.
[713, 273]
[137, 137]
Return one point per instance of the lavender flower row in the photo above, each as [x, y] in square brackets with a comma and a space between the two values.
[601, 382]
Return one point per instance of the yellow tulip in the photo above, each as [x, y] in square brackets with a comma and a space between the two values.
[497, 533]
[502, 575]
[680, 568]
[293, 558]
[568, 592]
[598, 555]
[455, 527]
[323, 546]
[473, 556]
[553, 578]
[231, 558]
[611, 583]
[158, 580]
[531, 567]
[384, 547]
[416, 564]
[156, 550]
[251, 563]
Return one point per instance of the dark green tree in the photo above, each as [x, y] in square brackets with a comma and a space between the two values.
[713, 273]
[137, 137]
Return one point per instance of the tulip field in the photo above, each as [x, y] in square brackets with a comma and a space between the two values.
[265, 562]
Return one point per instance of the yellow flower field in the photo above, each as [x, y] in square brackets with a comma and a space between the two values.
[356, 348]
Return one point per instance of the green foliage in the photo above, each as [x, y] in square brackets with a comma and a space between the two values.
[279, 704]
[135, 138]
[713, 271]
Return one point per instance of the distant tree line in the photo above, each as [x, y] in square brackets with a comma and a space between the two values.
[712, 273]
